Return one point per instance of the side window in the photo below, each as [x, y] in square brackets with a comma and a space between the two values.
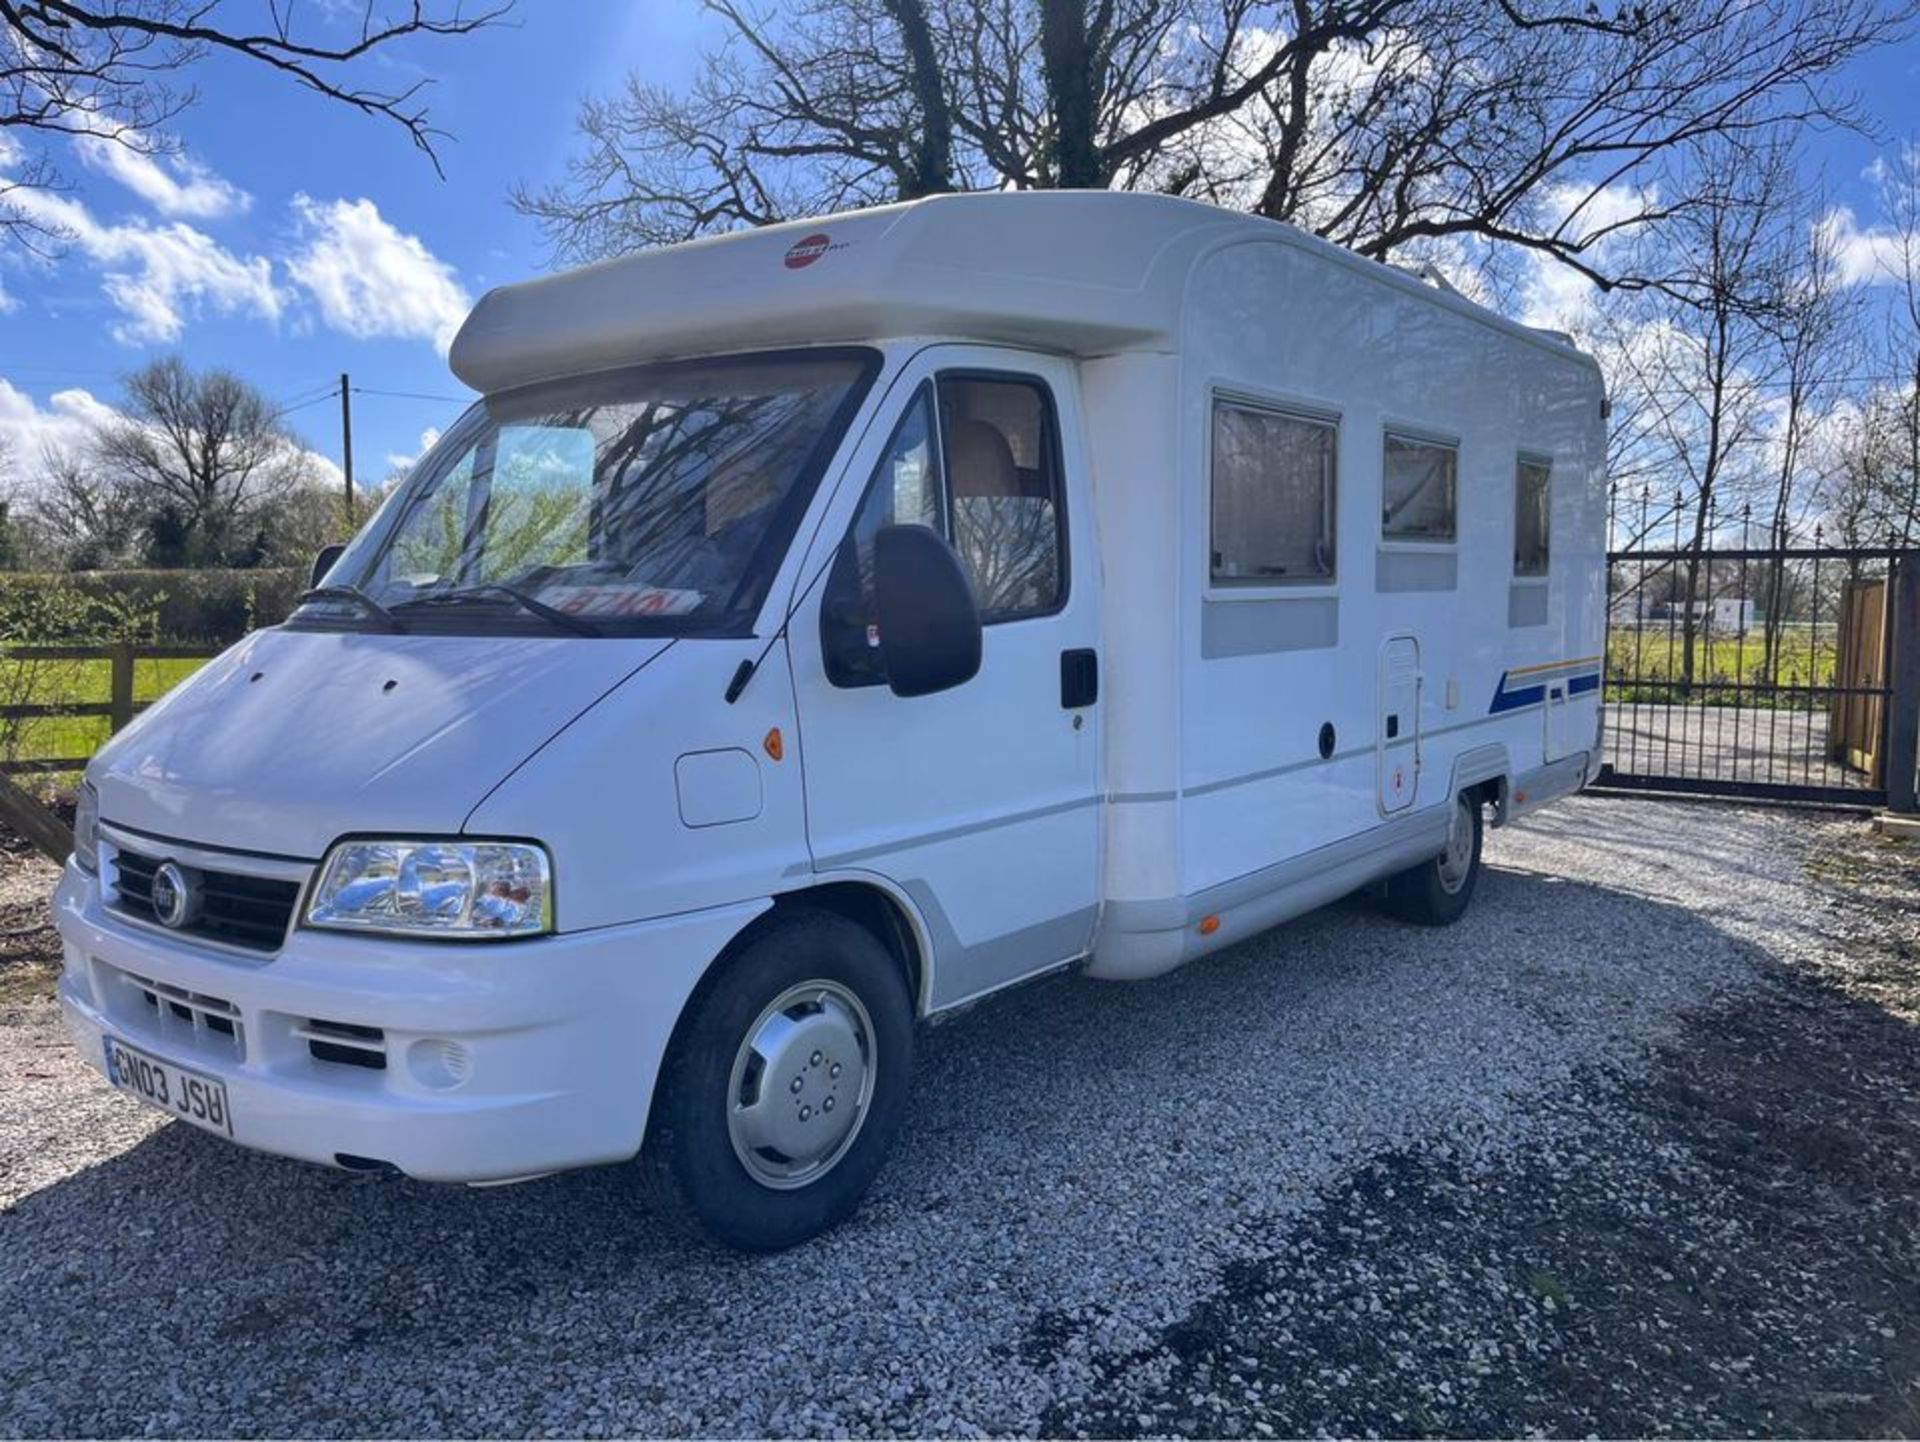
[1273, 496]
[1003, 476]
[905, 490]
[1532, 517]
[974, 458]
[1419, 489]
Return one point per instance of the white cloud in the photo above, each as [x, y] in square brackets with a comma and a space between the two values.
[371, 280]
[1556, 295]
[397, 461]
[157, 275]
[1864, 256]
[28, 431]
[325, 472]
[172, 184]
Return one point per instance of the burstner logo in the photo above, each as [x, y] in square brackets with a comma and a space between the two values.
[806, 251]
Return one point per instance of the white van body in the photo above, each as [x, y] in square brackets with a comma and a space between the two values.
[1256, 746]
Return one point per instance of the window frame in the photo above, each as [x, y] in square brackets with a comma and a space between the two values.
[928, 385]
[1288, 407]
[1543, 461]
[1050, 424]
[1418, 435]
[920, 392]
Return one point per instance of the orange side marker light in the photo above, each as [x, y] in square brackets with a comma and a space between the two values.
[773, 745]
[1209, 925]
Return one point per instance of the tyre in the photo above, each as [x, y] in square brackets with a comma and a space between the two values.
[1436, 892]
[785, 1084]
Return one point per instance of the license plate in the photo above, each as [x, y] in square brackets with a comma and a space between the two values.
[193, 1098]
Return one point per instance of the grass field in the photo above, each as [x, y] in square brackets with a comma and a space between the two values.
[74, 682]
[1652, 655]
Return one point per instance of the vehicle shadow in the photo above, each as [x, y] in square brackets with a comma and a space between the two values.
[1073, 1149]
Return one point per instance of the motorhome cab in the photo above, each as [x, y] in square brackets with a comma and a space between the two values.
[814, 630]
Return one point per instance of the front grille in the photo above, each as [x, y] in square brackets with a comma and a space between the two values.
[251, 912]
[173, 1013]
[344, 1044]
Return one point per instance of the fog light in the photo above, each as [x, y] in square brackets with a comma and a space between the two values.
[441, 1065]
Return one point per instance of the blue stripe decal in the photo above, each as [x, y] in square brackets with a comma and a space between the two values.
[1535, 693]
[1505, 700]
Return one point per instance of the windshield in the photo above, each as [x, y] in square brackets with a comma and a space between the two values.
[656, 501]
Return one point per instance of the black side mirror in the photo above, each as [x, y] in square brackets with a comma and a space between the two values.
[323, 562]
[923, 604]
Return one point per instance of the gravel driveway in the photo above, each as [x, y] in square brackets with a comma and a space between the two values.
[1630, 1149]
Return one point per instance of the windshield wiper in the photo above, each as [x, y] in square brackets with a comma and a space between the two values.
[359, 597]
[532, 605]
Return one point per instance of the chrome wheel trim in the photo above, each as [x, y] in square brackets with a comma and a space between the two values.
[1456, 862]
[801, 1085]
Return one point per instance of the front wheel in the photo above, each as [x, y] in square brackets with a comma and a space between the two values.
[1436, 892]
[785, 1084]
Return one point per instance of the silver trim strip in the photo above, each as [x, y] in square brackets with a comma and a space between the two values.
[1228, 782]
[206, 858]
[1527, 603]
[835, 860]
[1268, 627]
[1144, 938]
[963, 973]
[1395, 571]
[1208, 788]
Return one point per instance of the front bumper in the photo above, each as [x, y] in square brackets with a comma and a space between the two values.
[496, 1060]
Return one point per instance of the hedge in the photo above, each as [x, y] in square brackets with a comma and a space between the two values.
[187, 606]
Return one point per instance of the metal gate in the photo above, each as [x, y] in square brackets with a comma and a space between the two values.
[1751, 671]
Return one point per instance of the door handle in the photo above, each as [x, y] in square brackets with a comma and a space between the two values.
[1079, 678]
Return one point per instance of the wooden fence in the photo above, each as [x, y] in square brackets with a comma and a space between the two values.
[119, 708]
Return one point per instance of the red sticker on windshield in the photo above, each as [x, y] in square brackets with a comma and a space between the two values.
[806, 251]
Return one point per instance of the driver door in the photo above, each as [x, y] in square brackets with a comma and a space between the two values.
[980, 802]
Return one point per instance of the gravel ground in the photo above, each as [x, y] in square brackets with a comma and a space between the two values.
[29, 949]
[1633, 1148]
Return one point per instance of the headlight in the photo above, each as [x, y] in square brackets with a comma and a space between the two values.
[86, 828]
[476, 889]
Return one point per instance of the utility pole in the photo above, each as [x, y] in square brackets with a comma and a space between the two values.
[346, 441]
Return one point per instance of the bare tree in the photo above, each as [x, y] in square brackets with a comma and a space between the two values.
[12, 543]
[111, 69]
[1858, 490]
[82, 518]
[1814, 325]
[203, 459]
[1391, 126]
[1698, 352]
[1900, 207]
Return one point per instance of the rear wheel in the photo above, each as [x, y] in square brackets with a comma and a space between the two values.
[786, 1083]
[1436, 892]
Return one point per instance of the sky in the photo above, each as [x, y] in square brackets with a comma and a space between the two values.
[294, 240]
[298, 240]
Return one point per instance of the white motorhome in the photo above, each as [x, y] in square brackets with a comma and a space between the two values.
[817, 629]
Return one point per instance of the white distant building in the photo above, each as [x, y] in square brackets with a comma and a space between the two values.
[1734, 616]
[1728, 615]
